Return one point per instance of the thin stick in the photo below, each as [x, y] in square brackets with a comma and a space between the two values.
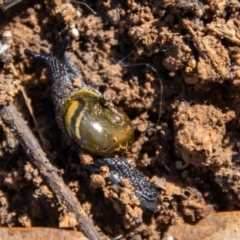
[87, 6]
[30, 109]
[5, 6]
[17, 125]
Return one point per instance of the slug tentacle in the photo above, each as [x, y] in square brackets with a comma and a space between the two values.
[61, 52]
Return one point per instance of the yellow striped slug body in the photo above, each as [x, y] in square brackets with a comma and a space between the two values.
[79, 112]
[95, 127]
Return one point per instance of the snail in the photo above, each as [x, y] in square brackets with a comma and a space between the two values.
[94, 127]
[79, 112]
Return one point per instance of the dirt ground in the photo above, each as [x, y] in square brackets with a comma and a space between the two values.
[172, 65]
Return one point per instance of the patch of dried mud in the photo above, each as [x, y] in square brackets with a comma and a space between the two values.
[191, 154]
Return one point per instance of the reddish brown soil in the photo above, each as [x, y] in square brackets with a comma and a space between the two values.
[128, 49]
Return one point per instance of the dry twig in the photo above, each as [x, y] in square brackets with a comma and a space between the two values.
[17, 125]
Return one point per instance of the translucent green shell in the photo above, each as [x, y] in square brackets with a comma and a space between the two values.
[96, 128]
